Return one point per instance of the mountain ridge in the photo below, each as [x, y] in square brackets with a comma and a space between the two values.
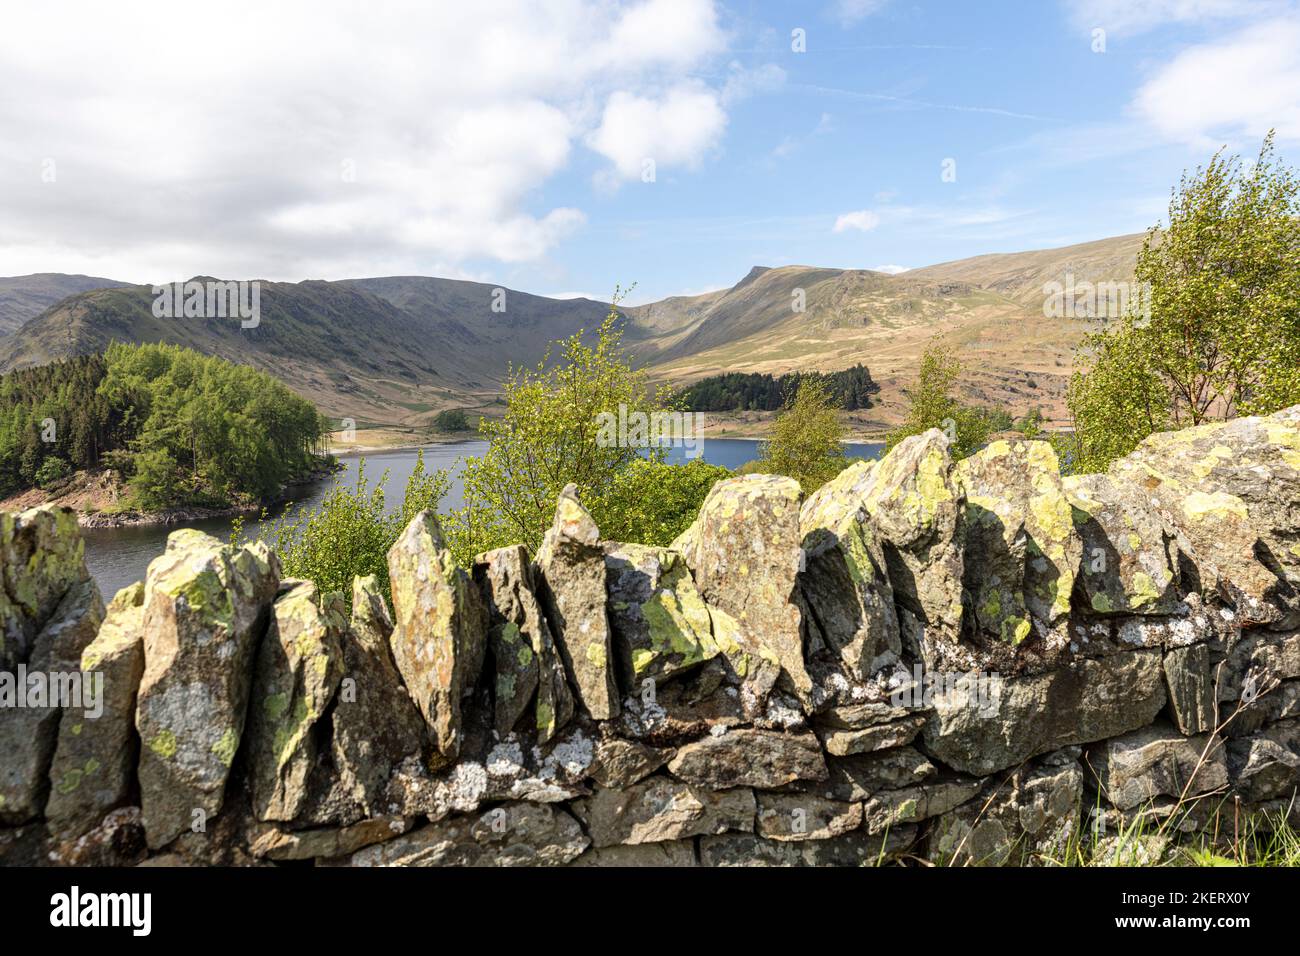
[397, 349]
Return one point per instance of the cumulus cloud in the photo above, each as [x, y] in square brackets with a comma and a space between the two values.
[863, 220]
[677, 128]
[300, 139]
[1241, 85]
[890, 270]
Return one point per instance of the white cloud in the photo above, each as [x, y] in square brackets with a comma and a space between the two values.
[863, 220]
[322, 139]
[890, 270]
[1242, 85]
[744, 82]
[677, 128]
[1130, 17]
[849, 12]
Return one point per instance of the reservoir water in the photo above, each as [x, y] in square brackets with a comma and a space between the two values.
[119, 556]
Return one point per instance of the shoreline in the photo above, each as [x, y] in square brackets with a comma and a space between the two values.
[98, 519]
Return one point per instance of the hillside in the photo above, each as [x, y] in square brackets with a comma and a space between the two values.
[518, 333]
[25, 297]
[398, 349]
[355, 352]
[990, 307]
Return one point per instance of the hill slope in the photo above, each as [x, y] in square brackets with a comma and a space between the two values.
[989, 307]
[396, 350]
[25, 297]
[352, 353]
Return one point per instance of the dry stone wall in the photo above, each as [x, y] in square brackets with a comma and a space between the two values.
[980, 662]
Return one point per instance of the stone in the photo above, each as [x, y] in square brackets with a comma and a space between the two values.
[205, 608]
[863, 775]
[1156, 761]
[752, 665]
[745, 552]
[94, 763]
[1266, 765]
[42, 556]
[844, 582]
[439, 639]
[888, 809]
[871, 713]
[1130, 558]
[513, 834]
[1190, 683]
[666, 853]
[659, 808]
[914, 504]
[801, 816]
[1256, 659]
[1282, 702]
[375, 726]
[1030, 818]
[571, 585]
[273, 842]
[29, 726]
[1131, 849]
[115, 839]
[529, 672]
[750, 758]
[661, 626]
[545, 773]
[1079, 702]
[621, 763]
[1021, 549]
[844, 743]
[855, 849]
[1229, 488]
[297, 671]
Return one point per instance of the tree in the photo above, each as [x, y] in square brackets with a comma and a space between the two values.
[549, 436]
[53, 470]
[352, 531]
[932, 405]
[451, 420]
[806, 438]
[1216, 332]
[652, 502]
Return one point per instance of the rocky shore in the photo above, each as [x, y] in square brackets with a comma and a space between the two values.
[94, 497]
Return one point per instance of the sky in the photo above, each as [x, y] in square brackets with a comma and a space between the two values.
[565, 146]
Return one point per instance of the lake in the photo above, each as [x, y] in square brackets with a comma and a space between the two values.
[119, 556]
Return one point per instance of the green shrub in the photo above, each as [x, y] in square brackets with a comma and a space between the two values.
[351, 532]
[651, 502]
[451, 420]
[806, 439]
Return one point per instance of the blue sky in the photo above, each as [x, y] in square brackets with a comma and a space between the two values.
[506, 142]
[1048, 144]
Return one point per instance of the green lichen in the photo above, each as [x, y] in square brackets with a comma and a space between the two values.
[164, 745]
[1200, 505]
[545, 717]
[1144, 590]
[224, 749]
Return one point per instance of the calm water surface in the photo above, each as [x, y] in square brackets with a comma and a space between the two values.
[119, 556]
